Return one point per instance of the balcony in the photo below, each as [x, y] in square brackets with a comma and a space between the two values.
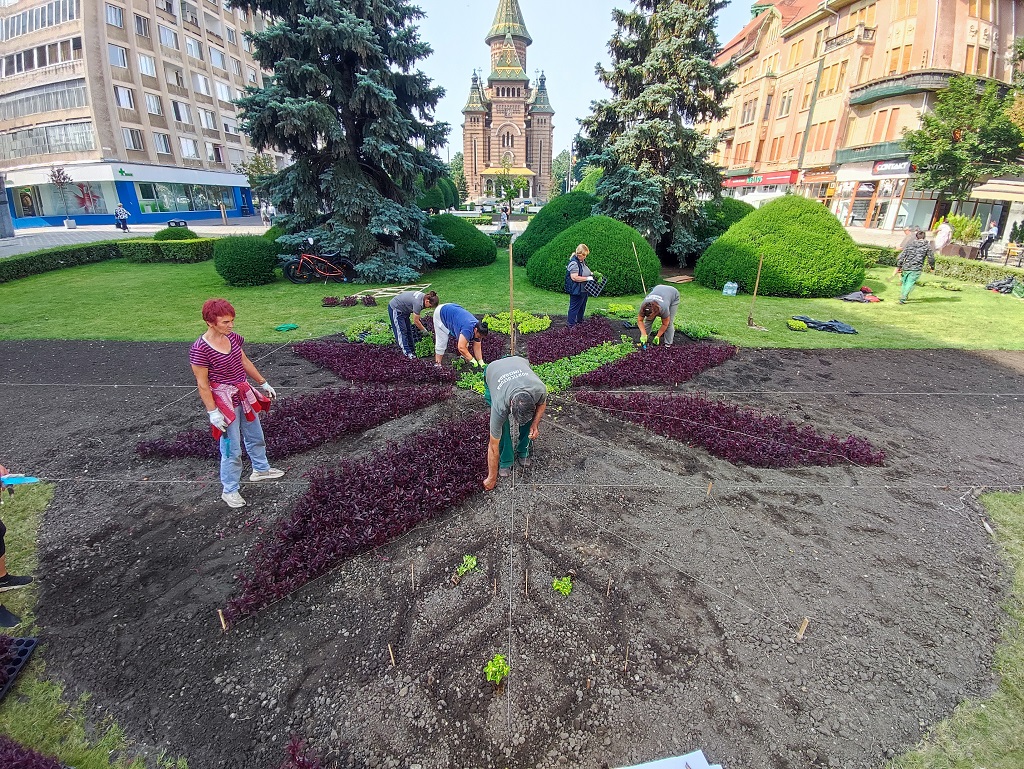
[859, 34]
[210, 133]
[177, 90]
[871, 152]
[917, 81]
[184, 128]
[202, 98]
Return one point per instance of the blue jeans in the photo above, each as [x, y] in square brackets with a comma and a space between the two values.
[231, 450]
[577, 308]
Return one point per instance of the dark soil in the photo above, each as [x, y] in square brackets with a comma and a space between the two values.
[680, 632]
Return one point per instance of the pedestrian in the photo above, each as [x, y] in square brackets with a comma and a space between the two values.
[406, 305]
[451, 320]
[265, 214]
[576, 274]
[909, 236]
[661, 302]
[121, 217]
[990, 237]
[943, 235]
[221, 368]
[504, 219]
[911, 262]
[511, 389]
[8, 581]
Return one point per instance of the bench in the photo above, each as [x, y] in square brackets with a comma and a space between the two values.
[1014, 251]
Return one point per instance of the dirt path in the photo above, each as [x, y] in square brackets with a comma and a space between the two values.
[891, 565]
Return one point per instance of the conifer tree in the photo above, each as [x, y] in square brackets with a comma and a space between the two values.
[345, 101]
[664, 83]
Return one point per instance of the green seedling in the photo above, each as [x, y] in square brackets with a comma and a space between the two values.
[562, 585]
[497, 670]
[468, 564]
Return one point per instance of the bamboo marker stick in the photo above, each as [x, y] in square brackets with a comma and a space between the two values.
[527, 527]
[223, 622]
[495, 585]
[710, 484]
[803, 628]
[638, 268]
[626, 666]
[527, 591]
[392, 653]
[608, 592]
[412, 575]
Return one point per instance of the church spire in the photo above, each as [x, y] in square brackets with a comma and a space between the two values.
[508, 20]
[508, 67]
[540, 103]
[475, 103]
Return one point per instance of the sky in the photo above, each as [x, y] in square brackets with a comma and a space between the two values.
[569, 38]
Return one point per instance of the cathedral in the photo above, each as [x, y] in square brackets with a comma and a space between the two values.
[506, 119]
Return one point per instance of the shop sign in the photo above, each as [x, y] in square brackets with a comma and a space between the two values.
[775, 177]
[891, 167]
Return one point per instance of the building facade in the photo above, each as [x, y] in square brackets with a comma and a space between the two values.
[133, 98]
[825, 91]
[506, 120]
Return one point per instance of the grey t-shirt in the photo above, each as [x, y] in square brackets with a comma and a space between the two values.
[664, 296]
[505, 378]
[408, 301]
[583, 271]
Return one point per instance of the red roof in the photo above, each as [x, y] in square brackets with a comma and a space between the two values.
[746, 39]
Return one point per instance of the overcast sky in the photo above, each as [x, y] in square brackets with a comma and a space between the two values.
[569, 38]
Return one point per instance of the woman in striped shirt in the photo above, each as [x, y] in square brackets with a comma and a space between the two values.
[232, 404]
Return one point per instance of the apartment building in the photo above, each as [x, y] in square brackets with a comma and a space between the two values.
[825, 90]
[133, 98]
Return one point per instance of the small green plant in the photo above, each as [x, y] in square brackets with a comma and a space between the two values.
[562, 585]
[497, 669]
[966, 229]
[468, 564]
[525, 322]
[425, 348]
[696, 330]
[796, 325]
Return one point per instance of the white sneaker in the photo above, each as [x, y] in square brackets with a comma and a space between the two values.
[234, 499]
[266, 475]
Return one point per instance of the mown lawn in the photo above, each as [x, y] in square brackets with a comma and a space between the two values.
[160, 302]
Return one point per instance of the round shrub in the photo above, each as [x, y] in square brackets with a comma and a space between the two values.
[806, 252]
[447, 187]
[175, 233]
[611, 252]
[432, 198]
[245, 260]
[274, 233]
[470, 247]
[719, 217]
[589, 182]
[556, 217]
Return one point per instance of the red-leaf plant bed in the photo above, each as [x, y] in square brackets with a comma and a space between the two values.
[555, 343]
[371, 363]
[14, 755]
[311, 420]
[734, 434]
[361, 504]
[299, 757]
[658, 366]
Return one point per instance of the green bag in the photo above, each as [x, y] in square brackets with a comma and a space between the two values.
[1018, 289]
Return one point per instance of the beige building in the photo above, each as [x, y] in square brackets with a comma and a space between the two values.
[133, 98]
[825, 90]
[507, 120]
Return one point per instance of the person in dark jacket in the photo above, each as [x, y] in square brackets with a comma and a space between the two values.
[577, 273]
[911, 263]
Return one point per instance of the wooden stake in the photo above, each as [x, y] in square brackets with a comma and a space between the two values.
[495, 585]
[527, 591]
[588, 683]
[527, 527]
[638, 268]
[626, 666]
[608, 592]
[412, 575]
[710, 484]
[757, 283]
[511, 302]
[803, 628]
[392, 653]
[223, 622]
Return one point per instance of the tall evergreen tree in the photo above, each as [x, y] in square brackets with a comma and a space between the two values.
[664, 82]
[559, 173]
[345, 101]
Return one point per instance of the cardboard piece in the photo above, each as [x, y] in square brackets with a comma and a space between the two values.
[693, 760]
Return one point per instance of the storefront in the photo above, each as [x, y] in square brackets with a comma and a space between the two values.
[758, 188]
[880, 195]
[152, 194]
[818, 184]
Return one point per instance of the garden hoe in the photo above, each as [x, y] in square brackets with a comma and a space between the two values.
[757, 283]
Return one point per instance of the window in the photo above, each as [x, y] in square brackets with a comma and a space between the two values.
[125, 97]
[207, 119]
[893, 125]
[232, 37]
[805, 100]
[118, 56]
[905, 9]
[246, 45]
[141, 26]
[252, 75]
[236, 67]
[42, 16]
[865, 69]
[832, 79]
[162, 142]
[797, 143]
[181, 112]
[115, 16]
[223, 91]
[218, 59]
[880, 123]
[749, 112]
[154, 105]
[147, 65]
[214, 153]
[51, 97]
[168, 37]
[971, 59]
[189, 148]
[132, 138]
[786, 103]
[202, 83]
[193, 48]
[796, 53]
[818, 38]
[230, 127]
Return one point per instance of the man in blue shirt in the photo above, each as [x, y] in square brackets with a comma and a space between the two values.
[453, 320]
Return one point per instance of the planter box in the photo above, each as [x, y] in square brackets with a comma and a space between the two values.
[964, 252]
[70, 224]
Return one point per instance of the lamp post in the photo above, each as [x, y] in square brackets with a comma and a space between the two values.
[6, 225]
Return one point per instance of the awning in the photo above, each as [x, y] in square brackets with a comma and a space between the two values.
[511, 171]
[775, 177]
[1000, 189]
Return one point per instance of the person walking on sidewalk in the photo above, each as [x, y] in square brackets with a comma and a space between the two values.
[121, 217]
[911, 263]
[221, 368]
[406, 305]
[511, 389]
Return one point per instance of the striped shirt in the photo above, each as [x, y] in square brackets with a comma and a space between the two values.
[223, 369]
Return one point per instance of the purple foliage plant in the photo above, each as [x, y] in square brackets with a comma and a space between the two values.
[658, 366]
[555, 343]
[348, 301]
[368, 301]
[370, 363]
[299, 756]
[15, 756]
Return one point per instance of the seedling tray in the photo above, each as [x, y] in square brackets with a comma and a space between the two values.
[21, 650]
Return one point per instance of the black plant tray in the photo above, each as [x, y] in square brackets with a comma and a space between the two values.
[21, 650]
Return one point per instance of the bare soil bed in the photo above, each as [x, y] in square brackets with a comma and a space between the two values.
[680, 631]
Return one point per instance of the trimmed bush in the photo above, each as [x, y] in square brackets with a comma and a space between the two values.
[274, 233]
[46, 260]
[175, 251]
[555, 218]
[611, 252]
[719, 217]
[589, 182]
[470, 247]
[447, 187]
[432, 198]
[501, 239]
[475, 220]
[174, 233]
[806, 252]
[245, 260]
[970, 270]
[878, 256]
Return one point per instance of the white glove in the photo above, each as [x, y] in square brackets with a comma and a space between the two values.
[218, 420]
[270, 391]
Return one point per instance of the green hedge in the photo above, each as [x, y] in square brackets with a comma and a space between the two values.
[470, 247]
[501, 239]
[589, 182]
[807, 252]
[556, 217]
[611, 252]
[175, 251]
[482, 220]
[973, 270]
[46, 260]
[432, 198]
[174, 233]
[274, 233]
[878, 256]
[451, 195]
[245, 260]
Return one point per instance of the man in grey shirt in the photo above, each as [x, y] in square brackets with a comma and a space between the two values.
[405, 305]
[511, 389]
[661, 302]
